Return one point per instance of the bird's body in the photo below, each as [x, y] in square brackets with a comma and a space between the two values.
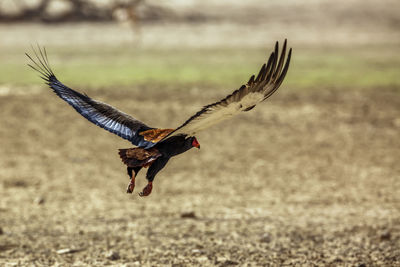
[155, 158]
[154, 147]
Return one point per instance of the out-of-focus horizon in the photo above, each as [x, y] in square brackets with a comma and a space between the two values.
[348, 38]
[309, 177]
[312, 22]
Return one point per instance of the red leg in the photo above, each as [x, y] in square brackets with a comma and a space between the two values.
[146, 190]
[131, 184]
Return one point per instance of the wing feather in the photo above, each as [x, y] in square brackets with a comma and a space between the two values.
[101, 114]
[257, 89]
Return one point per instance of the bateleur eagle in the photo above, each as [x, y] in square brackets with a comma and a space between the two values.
[154, 147]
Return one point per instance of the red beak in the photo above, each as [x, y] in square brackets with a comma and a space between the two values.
[195, 143]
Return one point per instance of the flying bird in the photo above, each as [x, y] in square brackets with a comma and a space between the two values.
[153, 146]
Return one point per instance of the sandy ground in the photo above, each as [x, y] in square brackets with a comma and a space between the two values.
[308, 178]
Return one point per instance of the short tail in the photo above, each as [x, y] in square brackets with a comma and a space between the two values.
[135, 157]
[130, 162]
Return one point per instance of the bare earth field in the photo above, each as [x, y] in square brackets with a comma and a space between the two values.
[309, 178]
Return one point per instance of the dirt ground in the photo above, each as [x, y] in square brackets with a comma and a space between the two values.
[310, 178]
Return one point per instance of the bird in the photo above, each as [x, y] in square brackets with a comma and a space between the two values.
[154, 147]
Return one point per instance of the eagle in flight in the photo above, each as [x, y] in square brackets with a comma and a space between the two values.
[154, 147]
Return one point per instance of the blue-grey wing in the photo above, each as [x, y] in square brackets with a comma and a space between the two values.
[101, 114]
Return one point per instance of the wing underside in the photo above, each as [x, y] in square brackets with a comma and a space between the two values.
[101, 114]
[245, 98]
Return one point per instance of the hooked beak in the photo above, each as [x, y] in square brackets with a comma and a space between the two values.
[195, 143]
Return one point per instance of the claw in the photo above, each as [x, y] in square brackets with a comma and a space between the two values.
[131, 185]
[146, 190]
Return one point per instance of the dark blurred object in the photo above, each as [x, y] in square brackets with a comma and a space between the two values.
[112, 255]
[56, 11]
[190, 215]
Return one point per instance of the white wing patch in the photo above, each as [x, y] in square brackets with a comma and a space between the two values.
[251, 99]
[219, 112]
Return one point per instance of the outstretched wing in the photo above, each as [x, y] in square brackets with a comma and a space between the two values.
[101, 114]
[245, 98]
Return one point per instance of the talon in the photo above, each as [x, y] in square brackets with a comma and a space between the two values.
[146, 190]
[131, 185]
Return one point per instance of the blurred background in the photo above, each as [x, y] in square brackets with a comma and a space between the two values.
[309, 177]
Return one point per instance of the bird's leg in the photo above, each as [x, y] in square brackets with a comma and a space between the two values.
[154, 168]
[146, 190]
[131, 185]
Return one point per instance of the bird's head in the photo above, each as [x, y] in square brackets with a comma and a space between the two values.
[195, 143]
